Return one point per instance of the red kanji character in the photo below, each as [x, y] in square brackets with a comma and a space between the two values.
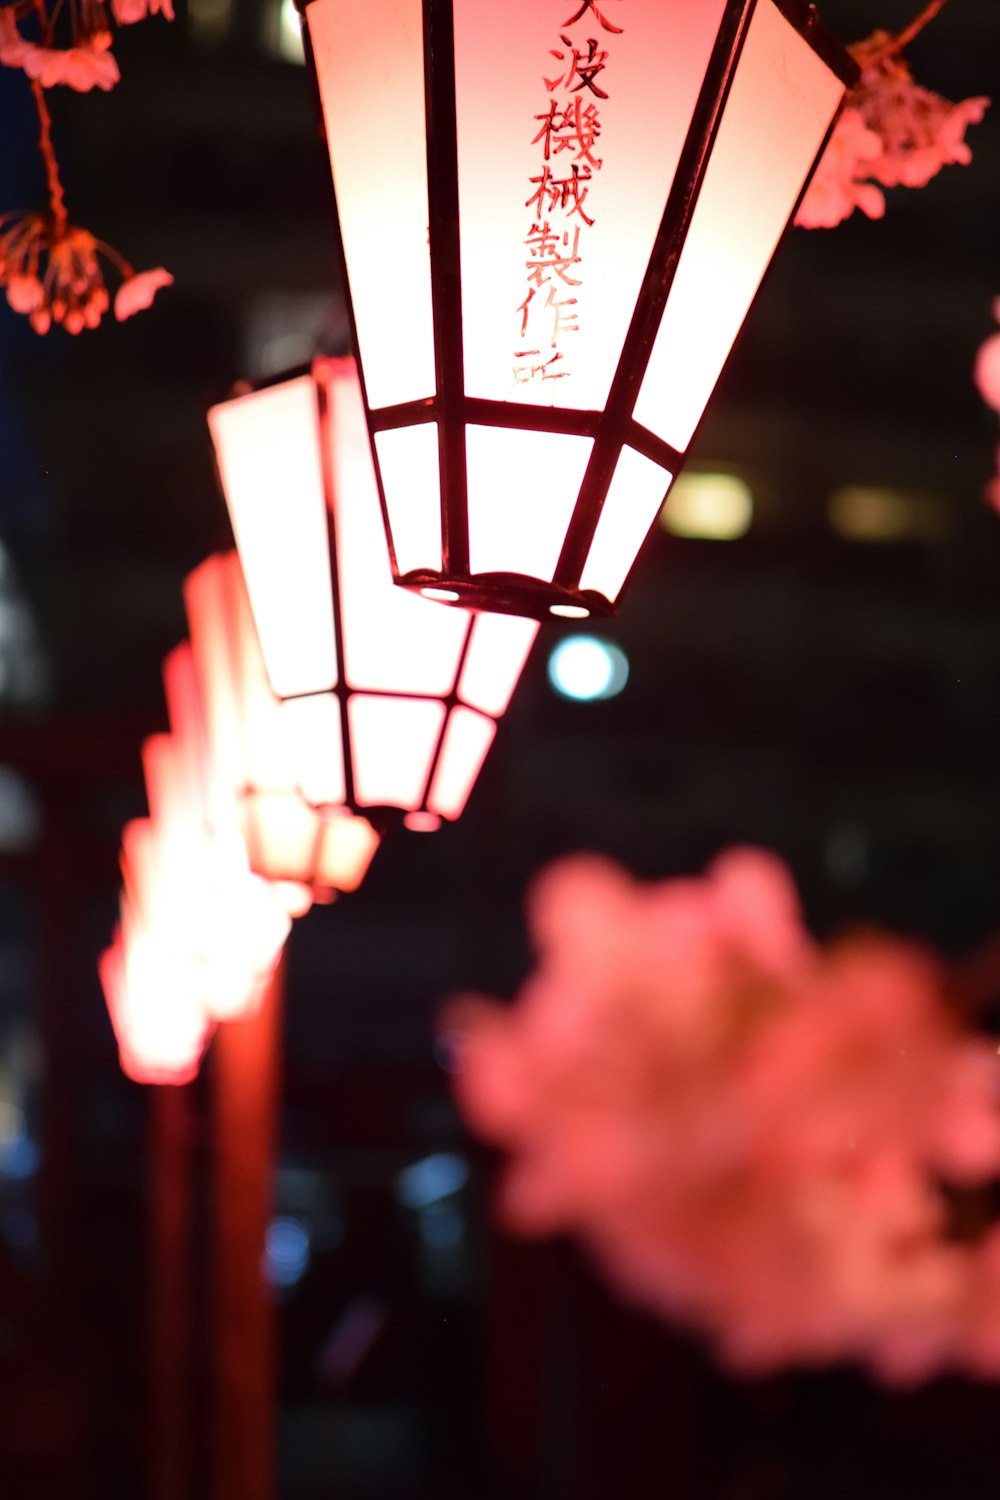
[552, 252]
[523, 310]
[571, 129]
[584, 68]
[561, 322]
[525, 373]
[561, 192]
[589, 5]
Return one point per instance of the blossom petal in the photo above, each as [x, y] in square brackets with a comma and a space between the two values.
[138, 291]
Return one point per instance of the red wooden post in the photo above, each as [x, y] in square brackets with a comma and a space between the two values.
[171, 1288]
[246, 1076]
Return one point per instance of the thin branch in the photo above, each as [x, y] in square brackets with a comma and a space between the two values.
[897, 44]
[56, 197]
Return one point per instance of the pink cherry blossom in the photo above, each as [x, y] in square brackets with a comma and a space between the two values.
[891, 133]
[748, 1130]
[987, 367]
[991, 491]
[137, 291]
[838, 186]
[126, 12]
[25, 293]
[87, 65]
[986, 373]
[13, 47]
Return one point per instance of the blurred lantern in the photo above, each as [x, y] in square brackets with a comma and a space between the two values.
[391, 700]
[210, 775]
[261, 749]
[160, 1029]
[189, 890]
[554, 217]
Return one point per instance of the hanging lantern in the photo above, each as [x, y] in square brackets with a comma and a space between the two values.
[395, 699]
[261, 750]
[554, 217]
[189, 891]
[199, 933]
[193, 891]
[160, 1028]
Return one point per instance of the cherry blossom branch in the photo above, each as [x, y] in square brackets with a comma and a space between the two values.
[50, 269]
[897, 44]
[56, 195]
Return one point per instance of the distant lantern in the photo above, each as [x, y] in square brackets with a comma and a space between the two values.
[160, 1029]
[264, 752]
[396, 698]
[189, 890]
[554, 217]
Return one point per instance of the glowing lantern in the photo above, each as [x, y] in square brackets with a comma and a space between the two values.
[394, 699]
[554, 217]
[191, 901]
[160, 1028]
[192, 890]
[199, 934]
[261, 749]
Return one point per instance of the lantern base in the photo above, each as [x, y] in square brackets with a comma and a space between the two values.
[509, 594]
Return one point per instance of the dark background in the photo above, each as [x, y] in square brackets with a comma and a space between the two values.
[834, 699]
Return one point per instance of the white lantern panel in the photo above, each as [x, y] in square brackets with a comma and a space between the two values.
[393, 742]
[160, 1026]
[370, 66]
[269, 759]
[269, 461]
[187, 721]
[634, 499]
[206, 602]
[249, 924]
[347, 845]
[497, 653]
[315, 742]
[411, 480]
[523, 488]
[165, 788]
[782, 102]
[466, 743]
[160, 1037]
[394, 641]
[280, 831]
[563, 180]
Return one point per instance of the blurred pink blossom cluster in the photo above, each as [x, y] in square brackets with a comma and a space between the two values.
[987, 377]
[750, 1131]
[52, 269]
[87, 63]
[52, 273]
[891, 133]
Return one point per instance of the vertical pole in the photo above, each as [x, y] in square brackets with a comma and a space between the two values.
[58, 906]
[246, 1067]
[171, 1288]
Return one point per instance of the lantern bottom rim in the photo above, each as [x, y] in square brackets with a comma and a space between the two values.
[507, 594]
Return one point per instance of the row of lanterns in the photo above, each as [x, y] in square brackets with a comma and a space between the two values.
[314, 705]
[554, 216]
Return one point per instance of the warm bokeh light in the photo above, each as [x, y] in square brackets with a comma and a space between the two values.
[873, 513]
[708, 507]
